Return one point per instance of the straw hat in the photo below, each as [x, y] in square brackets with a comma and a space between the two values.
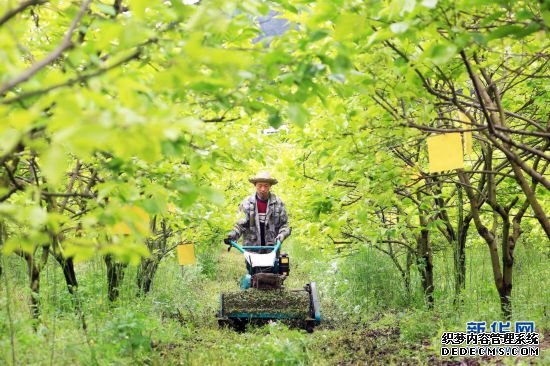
[263, 177]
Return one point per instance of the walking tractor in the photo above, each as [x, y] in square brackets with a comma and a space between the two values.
[263, 296]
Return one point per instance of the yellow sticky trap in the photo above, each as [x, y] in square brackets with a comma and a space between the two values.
[467, 136]
[468, 148]
[445, 152]
[186, 254]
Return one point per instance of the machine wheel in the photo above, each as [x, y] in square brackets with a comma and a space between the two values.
[238, 325]
[223, 323]
[310, 326]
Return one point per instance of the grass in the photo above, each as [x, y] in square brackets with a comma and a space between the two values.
[367, 316]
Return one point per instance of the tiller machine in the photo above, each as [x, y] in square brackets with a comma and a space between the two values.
[263, 296]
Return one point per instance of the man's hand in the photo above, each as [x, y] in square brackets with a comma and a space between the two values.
[280, 238]
[232, 236]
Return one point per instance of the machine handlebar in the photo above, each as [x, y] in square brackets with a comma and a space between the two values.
[242, 249]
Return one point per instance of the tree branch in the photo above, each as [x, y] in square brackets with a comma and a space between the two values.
[72, 81]
[65, 44]
[11, 177]
[74, 194]
[521, 132]
[220, 119]
[13, 12]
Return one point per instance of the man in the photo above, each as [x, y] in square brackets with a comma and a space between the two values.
[264, 215]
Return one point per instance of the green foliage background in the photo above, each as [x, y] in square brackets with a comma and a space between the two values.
[116, 114]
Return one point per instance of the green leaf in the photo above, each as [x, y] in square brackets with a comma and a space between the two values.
[127, 251]
[26, 242]
[430, 4]
[491, 18]
[82, 140]
[138, 8]
[80, 249]
[37, 216]
[407, 6]
[462, 40]
[53, 164]
[341, 64]
[515, 31]
[442, 53]
[188, 193]
[106, 9]
[478, 38]
[10, 138]
[8, 210]
[214, 196]
[18, 243]
[275, 119]
[399, 28]
[318, 35]
[154, 206]
[363, 216]
[546, 17]
[349, 25]
[379, 36]
[297, 114]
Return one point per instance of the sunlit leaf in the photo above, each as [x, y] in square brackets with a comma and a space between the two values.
[298, 114]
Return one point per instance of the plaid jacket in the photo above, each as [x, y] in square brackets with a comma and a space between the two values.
[249, 224]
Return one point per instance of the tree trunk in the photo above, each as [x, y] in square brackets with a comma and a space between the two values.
[424, 259]
[504, 287]
[2, 239]
[115, 275]
[460, 268]
[460, 256]
[67, 265]
[538, 211]
[407, 276]
[34, 268]
[506, 303]
[459, 252]
[158, 248]
[146, 273]
[424, 255]
[505, 292]
[34, 284]
[425, 266]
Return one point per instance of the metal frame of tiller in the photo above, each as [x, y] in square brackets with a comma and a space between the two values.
[240, 319]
